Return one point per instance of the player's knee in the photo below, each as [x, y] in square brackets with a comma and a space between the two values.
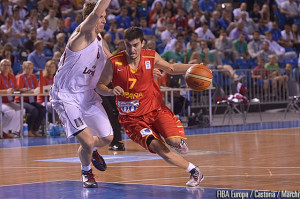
[108, 139]
[157, 147]
[88, 144]
[173, 141]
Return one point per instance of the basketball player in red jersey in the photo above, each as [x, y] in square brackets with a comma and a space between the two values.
[146, 120]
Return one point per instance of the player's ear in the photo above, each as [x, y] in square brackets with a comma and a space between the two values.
[144, 43]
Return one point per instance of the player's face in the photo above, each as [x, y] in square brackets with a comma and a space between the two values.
[101, 22]
[133, 48]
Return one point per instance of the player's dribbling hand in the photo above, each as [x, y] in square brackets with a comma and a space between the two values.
[118, 90]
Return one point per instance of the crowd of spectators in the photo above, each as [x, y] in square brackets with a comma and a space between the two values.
[187, 31]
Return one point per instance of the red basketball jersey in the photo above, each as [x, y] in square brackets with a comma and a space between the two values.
[142, 94]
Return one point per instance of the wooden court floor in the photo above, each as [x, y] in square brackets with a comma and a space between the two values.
[253, 160]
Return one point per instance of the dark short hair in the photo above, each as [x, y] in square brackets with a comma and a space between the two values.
[134, 33]
[88, 8]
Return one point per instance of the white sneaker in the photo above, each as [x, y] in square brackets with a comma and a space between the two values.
[195, 178]
[182, 147]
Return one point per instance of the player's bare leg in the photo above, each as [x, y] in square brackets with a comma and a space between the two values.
[177, 160]
[86, 140]
[97, 159]
[178, 144]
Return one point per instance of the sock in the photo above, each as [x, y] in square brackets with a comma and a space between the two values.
[86, 168]
[95, 148]
[190, 167]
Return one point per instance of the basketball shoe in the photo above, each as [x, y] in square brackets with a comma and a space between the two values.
[98, 161]
[182, 147]
[88, 179]
[195, 178]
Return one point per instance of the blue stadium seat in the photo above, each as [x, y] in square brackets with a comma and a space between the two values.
[228, 62]
[293, 62]
[242, 64]
[17, 67]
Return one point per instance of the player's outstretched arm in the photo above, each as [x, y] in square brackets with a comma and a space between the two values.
[172, 69]
[89, 23]
[105, 79]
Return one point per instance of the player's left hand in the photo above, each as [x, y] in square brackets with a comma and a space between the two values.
[118, 90]
[157, 73]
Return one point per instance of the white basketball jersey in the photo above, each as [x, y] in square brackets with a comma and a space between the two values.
[80, 71]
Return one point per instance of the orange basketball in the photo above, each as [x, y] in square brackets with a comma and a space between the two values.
[198, 77]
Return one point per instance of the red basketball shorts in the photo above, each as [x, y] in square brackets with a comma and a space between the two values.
[161, 124]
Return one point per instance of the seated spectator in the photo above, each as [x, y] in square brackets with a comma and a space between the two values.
[214, 25]
[61, 29]
[155, 13]
[265, 52]
[226, 22]
[279, 50]
[225, 48]
[192, 49]
[265, 15]
[274, 74]
[237, 11]
[56, 57]
[254, 46]
[110, 45]
[175, 54]
[241, 47]
[296, 37]
[11, 33]
[148, 33]
[41, 11]
[161, 24]
[7, 53]
[287, 37]
[47, 79]
[234, 34]
[207, 6]
[75, 23]
[18, 24]
[171, 44]
[204, 33]
[120, 47]
[168, 34]
[288, 72]
[114, 8]
[249, 25]
[36, 112]
[260, 76]
[123, 21]
[29, 44]
[194, 37]
[53, 20]
[45, 33]
[262, 28]
[60, 44]
[290, 9]
[276, 32]
[115, 32]
[133, 13]
[195, 21]
[32, 21]
[10, 110]
[5, 10]
[180, 20]
[255, 14]
[37, 57]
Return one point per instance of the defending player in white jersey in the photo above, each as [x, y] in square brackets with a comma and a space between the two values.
[72, 95]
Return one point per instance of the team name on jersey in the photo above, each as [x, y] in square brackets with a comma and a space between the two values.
[132, 95]
[89, 71]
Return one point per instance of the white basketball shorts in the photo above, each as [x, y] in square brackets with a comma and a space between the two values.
[78, 111]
